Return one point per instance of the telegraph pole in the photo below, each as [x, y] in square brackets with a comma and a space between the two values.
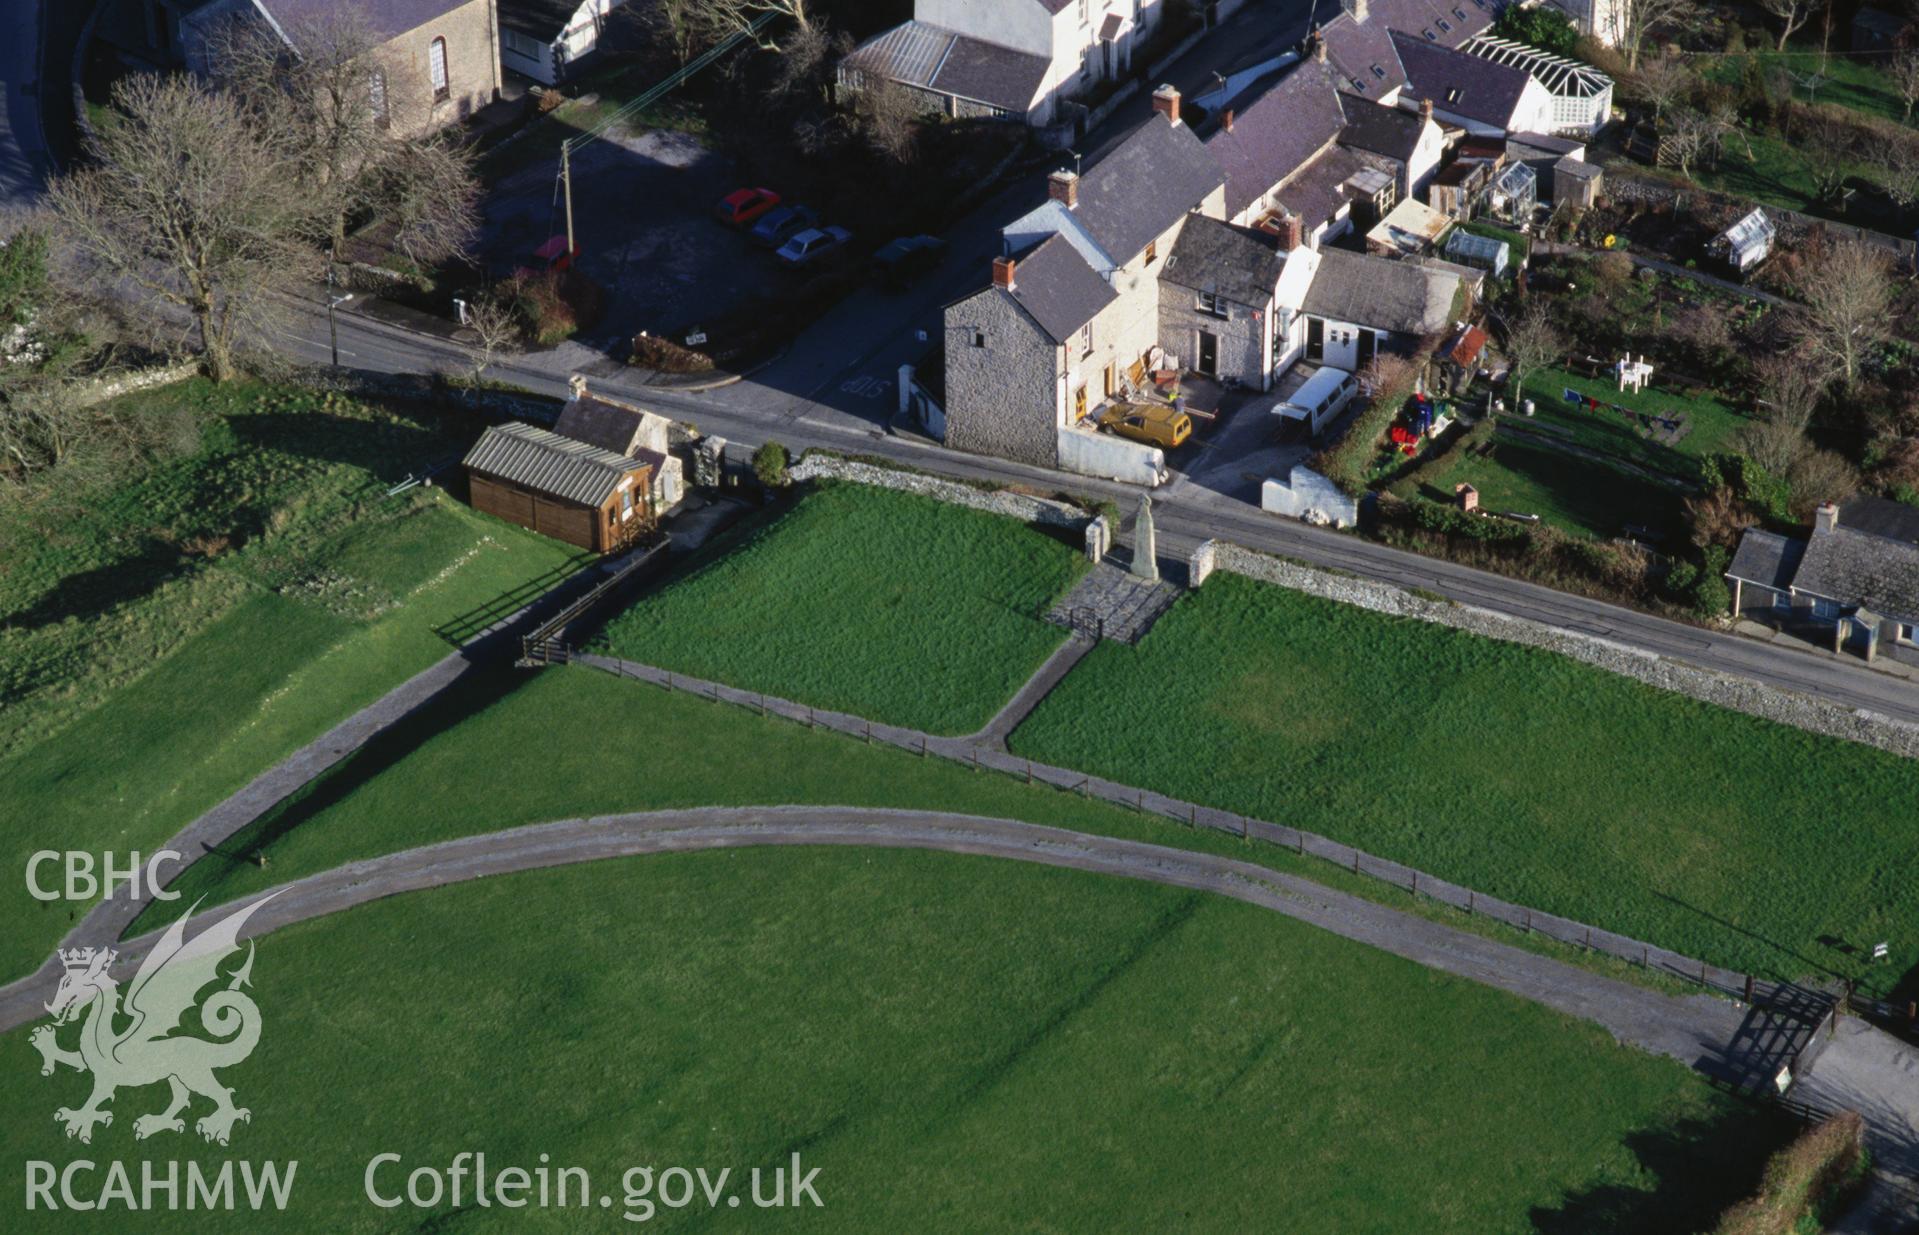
[566, 185]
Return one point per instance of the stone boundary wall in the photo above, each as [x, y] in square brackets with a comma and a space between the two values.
[1725, 690]
[1021, 506]
[91, 393]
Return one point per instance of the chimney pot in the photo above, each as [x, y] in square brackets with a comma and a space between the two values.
[1319, 47]
[1166, 102]
[1003, 272]
[1826, 517]
[1063, 187]
[1227, 120]
[578, 384]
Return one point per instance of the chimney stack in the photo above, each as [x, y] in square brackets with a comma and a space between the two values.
[578, 383]
[1003, 272]
[1319, 47]
[1826, 518]
[1063, 187]
[1292, 232]
[1226, 120]
[1426, 110]
[1166, 102]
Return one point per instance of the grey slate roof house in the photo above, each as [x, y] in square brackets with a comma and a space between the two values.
[1856, 579]
[1481, 95]
[1259, 145]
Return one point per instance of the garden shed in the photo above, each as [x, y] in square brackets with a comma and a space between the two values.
[1746, 243]
[1479, 252]
[584, 495]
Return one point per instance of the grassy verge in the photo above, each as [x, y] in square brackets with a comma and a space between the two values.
[1514, 771]
[949, 1041]
[173, 637]
[888, 605]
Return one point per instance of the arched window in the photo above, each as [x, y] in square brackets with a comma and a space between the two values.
[436, 64]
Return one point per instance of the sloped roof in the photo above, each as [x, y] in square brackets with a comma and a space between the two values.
[598, 423]
[1144, 186]
[1274, 136]
[1319, 190]
[1766, 558]
[1893, 520]
[1858, 568]
[385, 18]
[1238, 263]
[1055, 285]
[1461, 84]
[544, 20]
[548, 463]
[1566, 78]
[917, 53]
[1410, 227]
[1386, 295]
[1364, 55]
[1385, 131]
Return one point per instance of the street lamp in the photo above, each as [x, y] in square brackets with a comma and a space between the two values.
[333, 302]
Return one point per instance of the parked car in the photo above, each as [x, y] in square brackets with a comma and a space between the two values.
[900, 262]
[1153, 423]
[781, 223]
[812, 244]
[553, 255]
[742, 206]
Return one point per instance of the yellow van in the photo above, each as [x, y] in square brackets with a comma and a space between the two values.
[1153, 423]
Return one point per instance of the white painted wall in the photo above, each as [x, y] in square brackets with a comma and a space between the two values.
[1102, 454]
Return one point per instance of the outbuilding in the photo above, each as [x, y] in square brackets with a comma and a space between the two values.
[543, 39]
[584, 495]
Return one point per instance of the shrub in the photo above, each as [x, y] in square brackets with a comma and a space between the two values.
[554, 305]
[769, 464]
[1710, 595]
[1544, 28]
[650, 351]
[1811, 1176]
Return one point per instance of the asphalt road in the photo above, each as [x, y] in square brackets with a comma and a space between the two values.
[24, 163]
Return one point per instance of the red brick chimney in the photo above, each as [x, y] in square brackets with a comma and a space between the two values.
[1063, 187]
[1166, 102]
[1003, 272]
[1319, 47]
[1226, 120]
[1292, 232]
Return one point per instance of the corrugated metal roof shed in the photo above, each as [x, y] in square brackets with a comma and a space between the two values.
[548, 463]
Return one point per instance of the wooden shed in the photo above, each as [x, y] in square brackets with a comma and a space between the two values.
[581, 494]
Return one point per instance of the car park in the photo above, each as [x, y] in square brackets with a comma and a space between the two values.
[781, 224]
[900, 262]
[742, 206]
[812, 244]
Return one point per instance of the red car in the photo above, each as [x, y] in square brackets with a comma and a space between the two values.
[742, 206]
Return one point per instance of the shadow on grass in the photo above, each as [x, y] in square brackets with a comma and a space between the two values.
[1812, 965]
[218, 872]
[458, 630]
[1696, 1170]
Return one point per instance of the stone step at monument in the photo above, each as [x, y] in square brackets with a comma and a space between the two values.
[1110, 603]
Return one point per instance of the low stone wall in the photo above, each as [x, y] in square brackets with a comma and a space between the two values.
[1022, 506]
[103, 389]
[1738, 694]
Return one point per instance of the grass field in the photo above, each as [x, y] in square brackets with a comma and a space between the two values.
[1514, 771]
[1574, 494]
[145, 679]
[951, 1042]
[889, 605]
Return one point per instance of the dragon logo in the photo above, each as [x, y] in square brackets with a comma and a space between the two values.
[135, 1044]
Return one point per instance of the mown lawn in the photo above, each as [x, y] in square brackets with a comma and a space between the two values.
[1511, 770]
[1713, 421]
[889, 605]
[951, 1042]
[180, 634]
[1574, 494]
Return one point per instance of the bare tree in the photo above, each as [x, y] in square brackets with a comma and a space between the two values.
[1662, 83]
[190, 202]
[1634, 21]
[1905, 80]
[888, 118]
[738, 16]
[360, 148]
[1845, 300]
[1824, 143]
[1532, 342]
[1697, 137]
[1792, 14]
[493, 317]
[1894, 158]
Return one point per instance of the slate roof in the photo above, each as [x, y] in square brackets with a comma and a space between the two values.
[1375, 291]
[1893, 520]
[1283, 128]
[1459, 83]
[1054, 284]
[548, 463]
[386, 18]
[1238, 263]
[1858, 568]
[1364, 55]
[1318, 191]
[1766, 558]
[1144, 186]
[933, 58]
[598, 423]
[544, 20]
[1385, 131]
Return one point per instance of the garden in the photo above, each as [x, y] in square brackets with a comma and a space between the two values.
[177, 623]
[888, 605]
[936, 1034]
[1511, 770]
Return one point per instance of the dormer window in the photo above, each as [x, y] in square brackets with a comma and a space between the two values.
[1460, 14]
[1152, 252]
[1445, 25]
[1379, 71]
[1359, 85]
[1430, 36]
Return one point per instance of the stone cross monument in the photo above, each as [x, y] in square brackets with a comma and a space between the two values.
[1145, 553]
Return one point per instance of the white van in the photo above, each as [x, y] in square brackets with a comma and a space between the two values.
[1323, 396]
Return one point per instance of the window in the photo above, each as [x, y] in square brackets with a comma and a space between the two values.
[979, 338]
[436, 66]
[1430, 36]
[1379, 71]
[1460, 14]
[1086, 340]
[1152, 252]
[1084, 18]
[626, 503]
[1214, 303]
[1445, 25]
[376, 96]
[1359, 85]
[520, 45]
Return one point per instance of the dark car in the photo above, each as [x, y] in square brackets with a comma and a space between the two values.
[902, 261]
[778, 225]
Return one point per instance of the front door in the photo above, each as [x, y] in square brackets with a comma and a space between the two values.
[1315, 339]
[1208, 353]
[1079, 404]
[1112, 379]
[1368, 347]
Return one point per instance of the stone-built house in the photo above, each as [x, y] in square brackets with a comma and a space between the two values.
[1854, 581]
[1482, 96]
[1017, 59]
[629, 431]
[1581, 94]
[1223, 302]
[440, 59]
[1359, 39]
[1409, 145]
[545, 39]
[1359, 306]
